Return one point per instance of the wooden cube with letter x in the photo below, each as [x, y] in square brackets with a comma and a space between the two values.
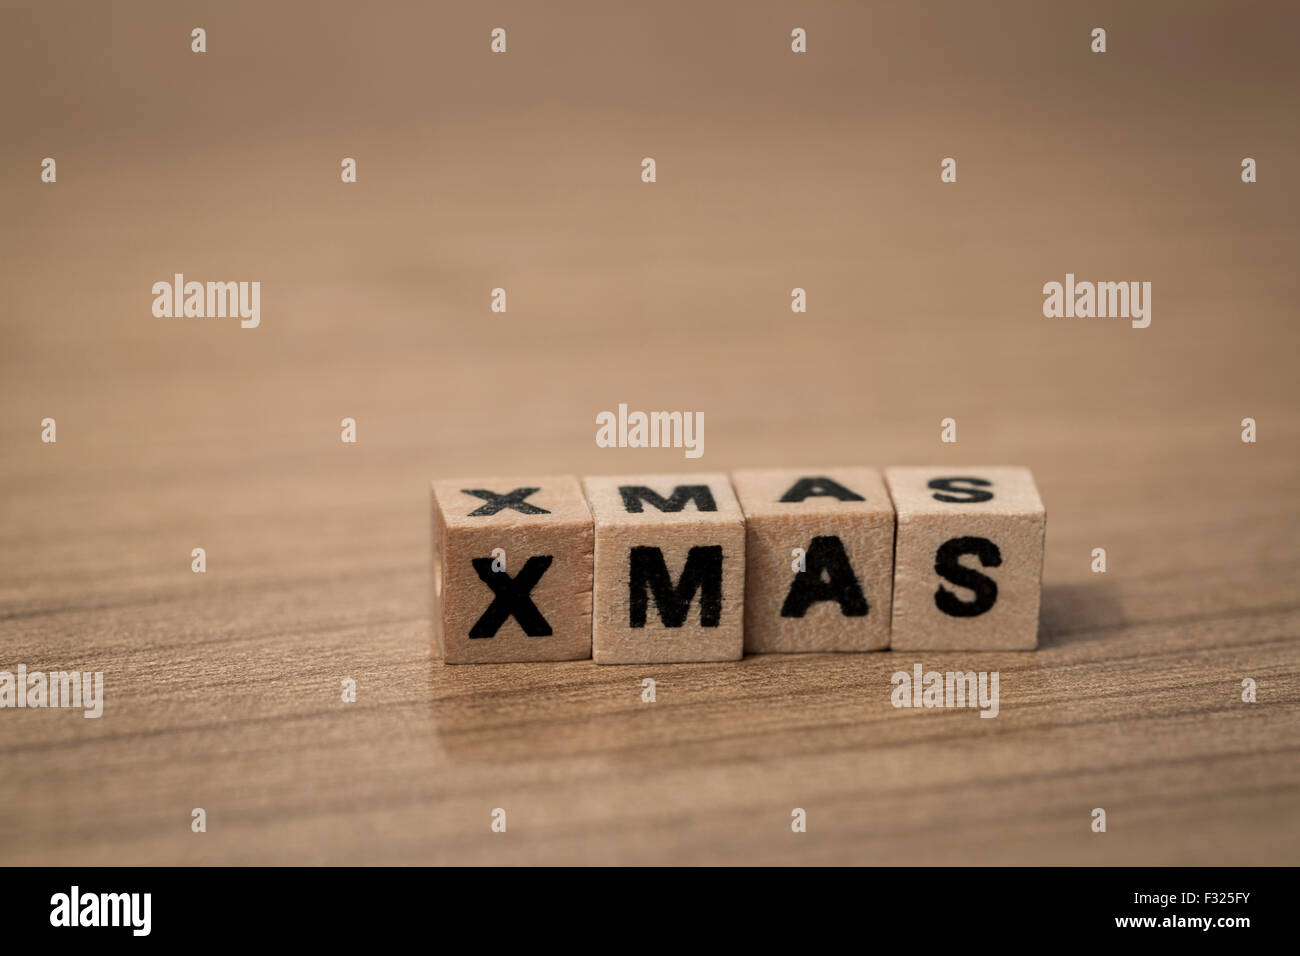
[968, 563]
[819, 559]
[512, 569]
[670, 569]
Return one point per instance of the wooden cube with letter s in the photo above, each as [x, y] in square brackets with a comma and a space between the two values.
[968, 558]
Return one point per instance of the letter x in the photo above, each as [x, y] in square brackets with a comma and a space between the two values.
[496, 502]
[510, 597]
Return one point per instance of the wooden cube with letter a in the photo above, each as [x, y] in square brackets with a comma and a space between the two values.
[819, 559]
[968, 563]
[670, 569]
[512, 569]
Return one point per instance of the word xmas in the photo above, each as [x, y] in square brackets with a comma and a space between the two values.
[215, 300]
[651, 430]
[1121, 300]
[667, 568]
[74, 689]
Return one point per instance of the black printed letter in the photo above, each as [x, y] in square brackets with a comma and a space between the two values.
[970, 495]
[633, 495]
[812, 487]
[510, 597]
[496, 502]
[948, 567]
[828, 576]
[703, 573]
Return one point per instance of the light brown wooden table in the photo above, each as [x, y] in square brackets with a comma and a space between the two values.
[223, 689]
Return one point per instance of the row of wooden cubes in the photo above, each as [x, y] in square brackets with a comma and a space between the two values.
[665, 568]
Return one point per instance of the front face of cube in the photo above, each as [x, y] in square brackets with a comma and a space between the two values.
[669, 570]
[512, 570]
[819, 559]
[968, 560]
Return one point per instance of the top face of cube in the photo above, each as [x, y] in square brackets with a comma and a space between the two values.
[793, 491]
[662, 499]
[963, 489]
[502, 502]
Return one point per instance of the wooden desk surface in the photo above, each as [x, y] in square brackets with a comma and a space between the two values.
[223, 689]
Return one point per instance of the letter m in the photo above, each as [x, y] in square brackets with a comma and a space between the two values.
[635, 495]
[223, 299]
[648, 575]
[1112, 299]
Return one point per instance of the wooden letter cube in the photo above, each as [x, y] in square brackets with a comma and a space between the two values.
[512, 569]
[968, 564]
[833, 593]
[670, 569]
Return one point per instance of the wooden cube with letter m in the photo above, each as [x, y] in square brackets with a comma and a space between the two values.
[670, 569]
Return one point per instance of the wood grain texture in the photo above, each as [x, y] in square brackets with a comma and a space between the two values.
[522, 172]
